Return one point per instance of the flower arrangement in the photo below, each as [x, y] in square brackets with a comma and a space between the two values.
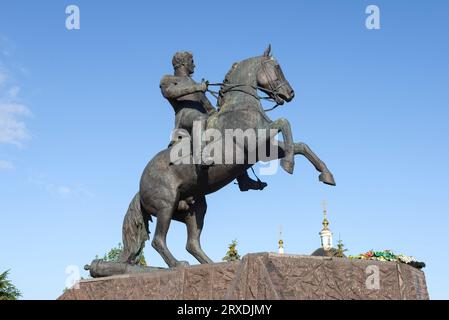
[388, 255]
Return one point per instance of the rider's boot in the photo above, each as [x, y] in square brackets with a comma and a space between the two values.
[246, 183]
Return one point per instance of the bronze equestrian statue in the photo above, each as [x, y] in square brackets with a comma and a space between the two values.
[177, 191]
[190, 104]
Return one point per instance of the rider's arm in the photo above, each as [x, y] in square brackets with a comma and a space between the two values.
[173, 89]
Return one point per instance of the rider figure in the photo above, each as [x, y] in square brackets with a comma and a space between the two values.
[190, 104]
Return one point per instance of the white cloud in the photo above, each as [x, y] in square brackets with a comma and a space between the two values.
[13, 93]
[63, 191]
[6, 165]
[13, 129]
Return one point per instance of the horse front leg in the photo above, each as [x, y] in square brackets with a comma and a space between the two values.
[325, 176]
[283, 126]
[303, 149]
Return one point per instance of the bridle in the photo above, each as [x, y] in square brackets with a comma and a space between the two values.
[278, 82]
[273, 84]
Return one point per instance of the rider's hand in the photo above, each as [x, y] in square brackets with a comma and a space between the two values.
[204, 85]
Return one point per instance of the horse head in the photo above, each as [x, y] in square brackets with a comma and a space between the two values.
[261, 72]
[271, 79]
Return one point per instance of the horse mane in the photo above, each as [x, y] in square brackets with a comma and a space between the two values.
[229, 74]
[226, 81]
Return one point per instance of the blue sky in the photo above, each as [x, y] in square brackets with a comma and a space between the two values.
[81, 114]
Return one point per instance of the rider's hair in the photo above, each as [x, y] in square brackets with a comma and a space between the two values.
[181, 58]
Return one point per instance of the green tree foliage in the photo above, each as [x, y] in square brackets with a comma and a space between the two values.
[7, 290]
[340, 249]
[232, 254]
[114, 254]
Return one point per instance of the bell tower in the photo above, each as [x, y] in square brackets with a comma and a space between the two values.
[280, 242]
[325, 233]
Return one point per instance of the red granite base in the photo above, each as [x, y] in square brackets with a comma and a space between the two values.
[264, 276]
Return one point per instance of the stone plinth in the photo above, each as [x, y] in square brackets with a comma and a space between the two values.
[264, 276]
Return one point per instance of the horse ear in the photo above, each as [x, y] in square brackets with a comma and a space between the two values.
[267, 51]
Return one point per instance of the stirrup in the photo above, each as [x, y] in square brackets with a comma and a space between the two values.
[259, 185]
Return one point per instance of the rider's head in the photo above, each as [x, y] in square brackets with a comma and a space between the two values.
[183, 60]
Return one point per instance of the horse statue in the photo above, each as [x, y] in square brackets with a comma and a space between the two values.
[170, 191]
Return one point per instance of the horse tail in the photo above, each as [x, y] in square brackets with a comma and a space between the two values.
[135, 231]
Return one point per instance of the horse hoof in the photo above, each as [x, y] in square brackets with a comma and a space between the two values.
[288, 166]
[182, 264]
[327, 178]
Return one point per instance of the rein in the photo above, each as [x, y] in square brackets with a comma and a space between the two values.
[231, 87]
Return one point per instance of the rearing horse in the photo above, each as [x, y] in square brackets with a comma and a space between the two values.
[165, 185]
